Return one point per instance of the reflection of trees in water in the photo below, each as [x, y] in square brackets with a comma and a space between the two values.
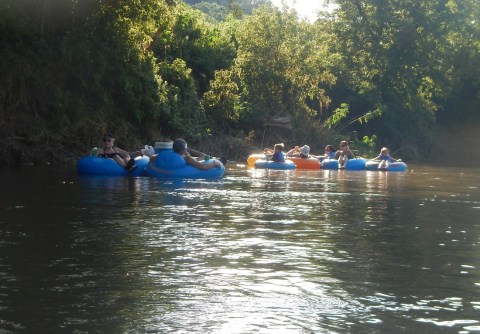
[402, 244]
[375, 247]
[137, 234]
[378, 204]
[107, 194]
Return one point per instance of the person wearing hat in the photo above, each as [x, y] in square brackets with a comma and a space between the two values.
[108, 151]
[299, 152]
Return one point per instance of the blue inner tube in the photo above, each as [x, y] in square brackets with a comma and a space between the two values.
[371, 165]
[356, 164]
[352, 164]
[398, 166]
[169, 164]
[264, 164]
[330, 164]
[89, 165]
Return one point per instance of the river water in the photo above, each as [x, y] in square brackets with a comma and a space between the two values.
[256, 252]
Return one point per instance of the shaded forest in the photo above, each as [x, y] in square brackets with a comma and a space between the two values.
[233, 76]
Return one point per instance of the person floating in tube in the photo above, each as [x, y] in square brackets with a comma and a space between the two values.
[122, 157]
[180, 147]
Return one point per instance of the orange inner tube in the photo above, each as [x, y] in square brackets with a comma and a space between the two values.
[309, 163]
[254, 157]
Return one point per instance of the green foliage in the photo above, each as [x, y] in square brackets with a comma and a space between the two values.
[337, 116]
[74, 71]
[398, 55]
[214, 10]
[204, 47]
[217, 8]
[370, 141]
[387, 72]
[189, 50]
[223, 101]
[183, 113]
[368, 146]
[279, 72]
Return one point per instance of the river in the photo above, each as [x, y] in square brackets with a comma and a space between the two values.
[256, 252]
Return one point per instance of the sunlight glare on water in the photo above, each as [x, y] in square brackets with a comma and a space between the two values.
[256, 252]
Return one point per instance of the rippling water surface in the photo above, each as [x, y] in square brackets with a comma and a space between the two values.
[256, 252]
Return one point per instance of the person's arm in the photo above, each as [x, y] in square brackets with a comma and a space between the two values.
[191, 161]
[196, 153]
[124, 154]
[268, 151]
[135, 154]
[293, 152]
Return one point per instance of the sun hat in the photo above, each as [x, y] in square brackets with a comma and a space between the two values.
[305, 150]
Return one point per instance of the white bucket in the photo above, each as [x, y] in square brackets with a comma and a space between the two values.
[163, 146]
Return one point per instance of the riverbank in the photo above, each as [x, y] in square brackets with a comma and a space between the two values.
[455, 146]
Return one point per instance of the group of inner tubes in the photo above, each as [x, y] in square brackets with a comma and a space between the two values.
[344, 158]
[176, 160]
[167, 160]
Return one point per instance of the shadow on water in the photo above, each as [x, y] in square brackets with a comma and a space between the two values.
[258, 251]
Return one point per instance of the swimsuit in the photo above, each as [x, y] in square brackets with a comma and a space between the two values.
[347, 154]
[109, 155]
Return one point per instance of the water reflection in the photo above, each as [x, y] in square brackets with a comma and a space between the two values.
[259, 251]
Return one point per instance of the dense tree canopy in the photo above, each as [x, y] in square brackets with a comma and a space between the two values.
[278, 78]
[378, 73]
[399, 61]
